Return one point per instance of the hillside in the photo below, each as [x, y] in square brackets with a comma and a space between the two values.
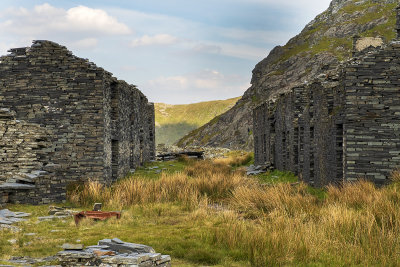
[174, 121]
[323, 43]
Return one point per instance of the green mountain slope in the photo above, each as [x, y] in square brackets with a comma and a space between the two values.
[321, 45]
[175, 121]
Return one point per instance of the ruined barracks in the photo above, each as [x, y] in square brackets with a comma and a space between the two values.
[343, 126]
[64, 120]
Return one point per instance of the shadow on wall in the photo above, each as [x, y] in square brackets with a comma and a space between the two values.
[170, 133]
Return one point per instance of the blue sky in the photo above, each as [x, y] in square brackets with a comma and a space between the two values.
[175, 51]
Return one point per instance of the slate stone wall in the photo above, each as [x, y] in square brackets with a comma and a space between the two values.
[92, 121]
[372, 121]
[341, 127]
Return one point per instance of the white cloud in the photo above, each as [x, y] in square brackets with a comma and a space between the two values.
[46, 19]
[95, 19]
[319, 5]
[243, 51]
[158, 39]
[86, 43]
[263, 37]
[203, 85]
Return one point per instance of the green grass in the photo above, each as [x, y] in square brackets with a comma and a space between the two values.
[165, 227]
[276, 176]
[353, 7]
[385, 30]
[276, 73]
[341, 47]
[319, 193]
[170, 133]
[203, 140]
[293, 50]
[233, 220]
[164, 166]
[175, 121]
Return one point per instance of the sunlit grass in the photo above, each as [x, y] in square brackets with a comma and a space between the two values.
[211, 214]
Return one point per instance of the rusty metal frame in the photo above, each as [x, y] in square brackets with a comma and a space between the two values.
[96, 215]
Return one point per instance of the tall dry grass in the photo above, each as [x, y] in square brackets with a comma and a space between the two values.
[357, 224]
[236, 159]
[201, 178]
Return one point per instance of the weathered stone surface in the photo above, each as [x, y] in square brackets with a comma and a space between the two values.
[342, 126]
[97, 206]
[52, 217]
[122, 247]
[28, 261]
[8, 217]
[284, 68]
[62, 120]
[116, 253]
[16, 186]
[68, 246]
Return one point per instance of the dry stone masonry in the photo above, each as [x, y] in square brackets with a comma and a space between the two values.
[63, 120]
[343, 126]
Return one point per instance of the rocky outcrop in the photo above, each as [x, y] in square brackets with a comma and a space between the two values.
[342, 126]
[324, 42]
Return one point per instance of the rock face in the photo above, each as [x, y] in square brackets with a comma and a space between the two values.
[340, 127]
[325, 41]
[63, 119]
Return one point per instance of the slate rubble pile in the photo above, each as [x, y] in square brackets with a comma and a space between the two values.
[57, 213]
[208, 152]
[8, 217]
[258, 169]
[112, 252]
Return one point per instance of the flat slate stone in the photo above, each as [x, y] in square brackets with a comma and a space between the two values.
[97, 247]
[126, 247]
[8, 217]
[75, 254]
[68, 246]
[21, 214]
[46, 218]
[16, 186]
[117, 240]
[5, 221]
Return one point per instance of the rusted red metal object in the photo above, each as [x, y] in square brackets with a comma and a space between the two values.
[96, 215]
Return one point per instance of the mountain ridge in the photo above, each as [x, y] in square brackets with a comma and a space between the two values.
[324, 42]
[174, 121]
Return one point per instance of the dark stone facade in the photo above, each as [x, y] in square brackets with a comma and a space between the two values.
[341, 127]
[301, 132]
[63, 120]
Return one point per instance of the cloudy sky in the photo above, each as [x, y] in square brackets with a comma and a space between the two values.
[175, 51]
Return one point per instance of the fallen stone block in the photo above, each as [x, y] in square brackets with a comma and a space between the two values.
[125, 247]
[52, 217]
[16, 186]
[68, 246]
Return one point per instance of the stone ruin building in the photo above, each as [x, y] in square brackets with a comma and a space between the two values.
[343, 126]
[64, 120]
